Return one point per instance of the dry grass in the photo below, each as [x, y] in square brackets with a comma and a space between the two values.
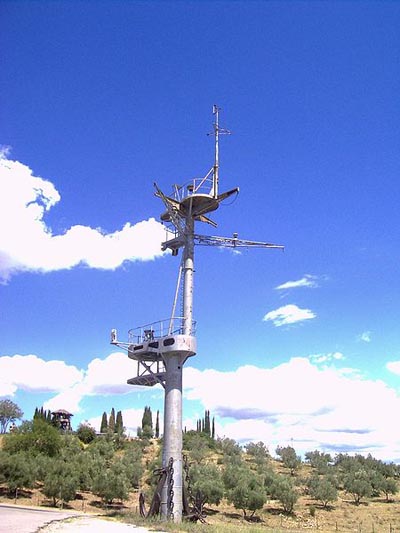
[374, 516]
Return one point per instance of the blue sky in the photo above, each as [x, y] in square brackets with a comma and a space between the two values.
[101, 99]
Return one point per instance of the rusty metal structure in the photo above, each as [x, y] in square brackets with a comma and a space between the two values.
[160, 349]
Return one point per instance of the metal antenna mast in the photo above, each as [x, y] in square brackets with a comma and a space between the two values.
[162, 348]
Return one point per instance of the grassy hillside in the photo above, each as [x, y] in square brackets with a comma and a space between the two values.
[372, 514]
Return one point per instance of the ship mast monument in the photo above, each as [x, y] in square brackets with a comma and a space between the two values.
[161, 348]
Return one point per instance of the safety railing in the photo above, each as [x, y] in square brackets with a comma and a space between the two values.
[159, 329]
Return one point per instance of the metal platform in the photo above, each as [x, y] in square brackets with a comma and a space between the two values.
[148, 380]
[157, 350]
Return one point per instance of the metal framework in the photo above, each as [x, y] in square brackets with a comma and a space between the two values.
[161, 348]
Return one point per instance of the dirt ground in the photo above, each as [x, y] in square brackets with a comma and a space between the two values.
[375, 516]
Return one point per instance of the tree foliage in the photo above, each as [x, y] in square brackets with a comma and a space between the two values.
[61, 482]
[245, 489]
[86, 433]
[104, 423]
[17, 470]
[119, 423]
[357, 482]
[112, 483]
[9, 413]
[198, 445]
[111, 421]
[258, 452]
[289, 458]
[206, 484]
[36, 438]
[146, 430]
[323, 489]
[319, 460]
[282, 489]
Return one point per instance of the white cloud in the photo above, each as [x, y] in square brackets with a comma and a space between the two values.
[32, 374]
[109, 375]
[319, 408]
[300, 401]
[28, 244]
[288, 314]
[306, 281]
[394, 367]
[365, 336]
[103, 377]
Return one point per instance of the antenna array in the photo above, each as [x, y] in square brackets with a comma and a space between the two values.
[161, 348]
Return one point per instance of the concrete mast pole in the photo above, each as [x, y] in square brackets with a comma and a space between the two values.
[173, 392]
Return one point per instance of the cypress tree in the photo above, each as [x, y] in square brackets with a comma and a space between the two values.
[147, 423]
[111, 421]
[158, 425]
[119, 425]
[207, 428]
[104, 423]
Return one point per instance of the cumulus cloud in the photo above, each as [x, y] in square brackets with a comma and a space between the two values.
[303, 401]
[102, 377]
[307, 280]
[30, 373]
[296, 401]
[28, 244]
[288, 314]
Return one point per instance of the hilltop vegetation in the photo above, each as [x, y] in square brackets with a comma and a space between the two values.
[227, 482]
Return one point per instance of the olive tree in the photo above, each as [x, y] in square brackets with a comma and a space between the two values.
[17, 471]
[61, 482]
[323, 489]
[289, 458]
[245, 489]
[282, 489]
[206, 484]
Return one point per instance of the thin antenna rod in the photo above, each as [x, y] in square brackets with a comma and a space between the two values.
[216, 162]
[217, 132]
[178, 284]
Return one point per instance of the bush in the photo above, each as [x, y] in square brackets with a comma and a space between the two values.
[86, 433]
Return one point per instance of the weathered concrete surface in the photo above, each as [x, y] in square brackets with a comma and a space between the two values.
[15, 519]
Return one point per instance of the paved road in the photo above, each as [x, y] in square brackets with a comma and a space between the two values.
[27, 520]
